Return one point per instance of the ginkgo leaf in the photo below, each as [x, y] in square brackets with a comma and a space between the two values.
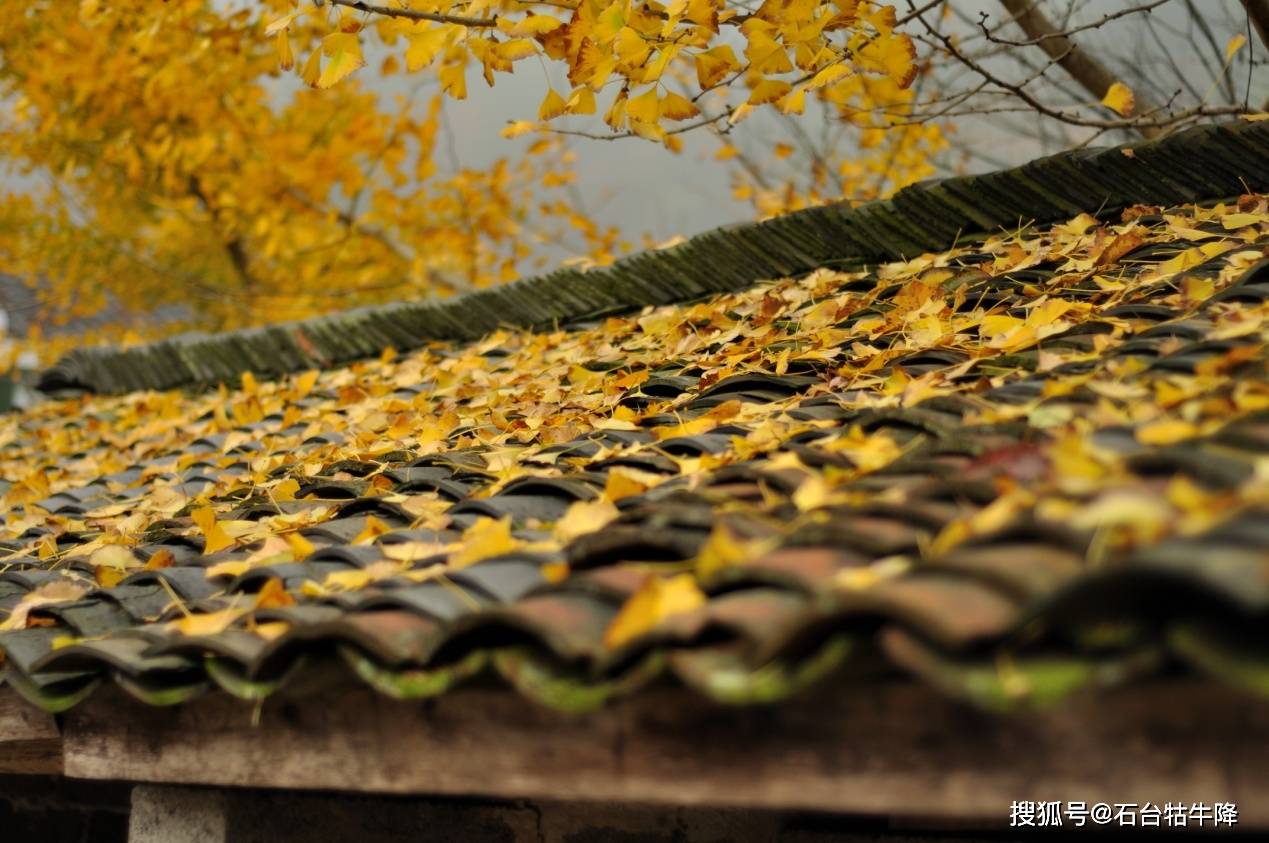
[581, 101]
[815, 492]
[610, 21]
[1166, 432]
[516, 49]
[766, 55]
[1232, 221]
[584, 378]
[714, 64]
[553, 105]
[112, 563]
[625, 482]
[412, 551]
[828, 75]
[300, 546]
[373, 529]
[286, 59]
[305, 382]
[454, 80]
[1120, 99]
[794, 102]
[644, 108]
[516, 128]
[108, 577]
[630, 48]
[424, 46]
[214, 536]
[655, 69]
[555, 572]
[273, 595]
[615, 116]
[724, 548]
[704, 13]
[230, 568]
[893, 54]
[58, 591]
[337, 582]
[285, 490]
[114, 556]
[1235, 44]
[311, 72]
[161, 558]
[273, 550]
[207, 623]
[677, 107]
[283, 23]
[651, 605]
[484, 539]
[343, 49]
[768, 90]
[534, 25]
[584, 517]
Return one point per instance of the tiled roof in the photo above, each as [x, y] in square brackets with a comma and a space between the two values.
[1025, 466]
[1202, 163]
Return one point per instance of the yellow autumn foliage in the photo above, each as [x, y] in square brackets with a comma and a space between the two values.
[182, 167]
[157, 157]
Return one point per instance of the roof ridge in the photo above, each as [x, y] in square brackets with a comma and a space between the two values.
[1203, 162]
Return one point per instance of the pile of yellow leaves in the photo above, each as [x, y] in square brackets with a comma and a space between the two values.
[514, 395]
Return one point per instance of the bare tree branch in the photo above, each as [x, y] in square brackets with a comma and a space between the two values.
[1062, 32]
[411, 14]
[1152, 121]
[1083, 67]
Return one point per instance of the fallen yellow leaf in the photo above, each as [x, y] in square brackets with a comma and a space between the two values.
[584, 517]
[624, 483]
[1120, 99]
[58, 591]
[373, 529]
[657, 600]
[214, 534]
[273, 595]
[724, 548]
[484, 539]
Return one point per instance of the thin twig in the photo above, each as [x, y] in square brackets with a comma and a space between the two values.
[412, 14]
[1041, 37]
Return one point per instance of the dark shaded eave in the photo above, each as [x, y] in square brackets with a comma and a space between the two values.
[1202, 163]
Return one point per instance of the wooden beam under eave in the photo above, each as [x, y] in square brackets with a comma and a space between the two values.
[30, 743]
[896, 749]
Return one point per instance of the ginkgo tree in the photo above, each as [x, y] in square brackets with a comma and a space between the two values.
[164, 159]
[237, 162]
